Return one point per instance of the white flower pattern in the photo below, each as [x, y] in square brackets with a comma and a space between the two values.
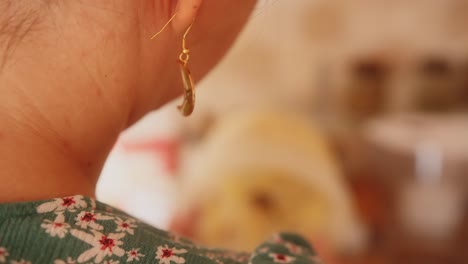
[87, 219]
[277, 239]
[63, 204]
[22, 261]
[294, 249]
[3, 254]
[112, 262]
[93, 204]
[134, 255]
[102, 245]
[125, 226]
[166, 255]
[68, 261]
[281, 258]
[58, 227]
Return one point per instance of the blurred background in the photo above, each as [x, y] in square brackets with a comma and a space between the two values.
[343, 120]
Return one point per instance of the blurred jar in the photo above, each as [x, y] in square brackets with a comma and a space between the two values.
[436, 89]
[366, 92]
[395, 140]
[431, 202]
[421, 158]
[463, 86]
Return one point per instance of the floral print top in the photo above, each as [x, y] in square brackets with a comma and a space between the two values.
[77, 229]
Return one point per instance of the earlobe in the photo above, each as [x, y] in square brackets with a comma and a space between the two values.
[187, 11]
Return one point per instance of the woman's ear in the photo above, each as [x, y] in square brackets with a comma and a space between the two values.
[187, 11]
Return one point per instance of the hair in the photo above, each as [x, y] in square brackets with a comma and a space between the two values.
[18, 18]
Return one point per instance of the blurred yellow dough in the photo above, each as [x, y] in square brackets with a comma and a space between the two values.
[262, 172]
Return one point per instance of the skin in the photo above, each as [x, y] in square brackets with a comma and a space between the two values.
[83, 71]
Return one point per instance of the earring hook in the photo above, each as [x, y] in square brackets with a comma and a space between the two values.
[164, 27]
[185, 55]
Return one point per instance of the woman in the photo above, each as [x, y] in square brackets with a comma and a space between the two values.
[74, 74]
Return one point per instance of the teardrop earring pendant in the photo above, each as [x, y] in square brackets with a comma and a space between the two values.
[188, 104]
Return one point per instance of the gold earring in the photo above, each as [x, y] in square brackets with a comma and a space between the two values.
[188, 105]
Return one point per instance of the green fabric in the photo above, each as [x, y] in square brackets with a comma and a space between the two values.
[80, 230]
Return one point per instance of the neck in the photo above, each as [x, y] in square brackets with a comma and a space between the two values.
[62, 107]
[54, 146]
[63, 104]
[34, 168]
